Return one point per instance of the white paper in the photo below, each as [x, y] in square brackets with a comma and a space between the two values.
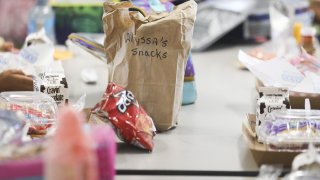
[280, 72]
[310, 84]
[247, 60]
[277, 72]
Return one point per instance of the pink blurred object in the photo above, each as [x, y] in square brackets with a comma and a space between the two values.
[70, 155]
[105, 137]
[93, 154]
[19, 169]
[33, 167]
[306, 62]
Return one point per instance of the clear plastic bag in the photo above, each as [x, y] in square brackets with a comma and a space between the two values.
[269, 172]
[305, 166]
[14, 141]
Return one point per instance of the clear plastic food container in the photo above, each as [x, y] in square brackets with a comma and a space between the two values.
[291, 130]
[39, 109]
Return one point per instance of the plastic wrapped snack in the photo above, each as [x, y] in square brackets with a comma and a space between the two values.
[291, 130]
[130, 120]
[11, 126]
[14, 143]
[39, 109]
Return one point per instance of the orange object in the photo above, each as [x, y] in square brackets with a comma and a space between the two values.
[62, 54]
[297, 32]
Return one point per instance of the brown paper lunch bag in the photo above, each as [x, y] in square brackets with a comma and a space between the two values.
[149, 55]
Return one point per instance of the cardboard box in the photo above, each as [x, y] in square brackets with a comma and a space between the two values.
[297, 99]
[261, 153]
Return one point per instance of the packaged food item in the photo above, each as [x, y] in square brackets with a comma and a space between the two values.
[39, 109]
[54, 85]
[71, 153]
[271, 99]
[49, 76]
[152, 58]
[14, 143]
[291, 130]
[131, 122]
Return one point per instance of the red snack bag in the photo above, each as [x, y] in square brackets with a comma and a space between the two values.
[130, 120]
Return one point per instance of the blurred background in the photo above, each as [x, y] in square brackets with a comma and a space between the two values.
[229, 21]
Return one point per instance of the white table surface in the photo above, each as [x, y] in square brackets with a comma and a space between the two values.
[208, 136]
[77, 87]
